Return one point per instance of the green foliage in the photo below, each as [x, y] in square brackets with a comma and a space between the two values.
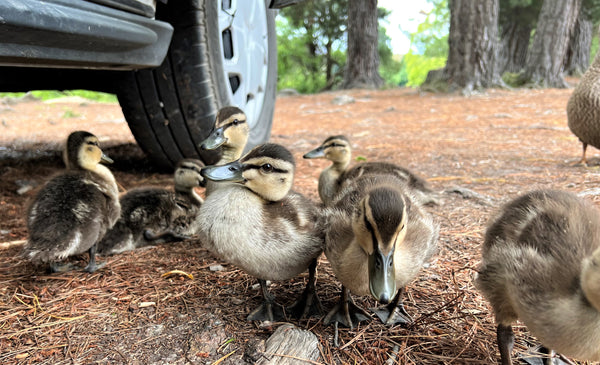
[418, 66]
[55, 94]
[429, 45]
[431, 37]
[311, 46]
[391, 67]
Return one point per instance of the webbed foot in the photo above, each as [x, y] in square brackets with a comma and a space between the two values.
[394, 312]
[346, 312]
[268, 310]
[391, 316]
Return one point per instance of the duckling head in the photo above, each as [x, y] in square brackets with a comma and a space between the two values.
[231, 132]
[82, 151]
[267, 170]
[590, 279]
[188, 174]
[335, 149]
[379, 227]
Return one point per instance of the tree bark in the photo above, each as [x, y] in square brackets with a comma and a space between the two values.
[513, 47]
[473, 46]
[546, 57]
[577, 59]
[362, 65]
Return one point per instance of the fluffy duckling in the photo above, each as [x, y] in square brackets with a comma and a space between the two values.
[73, 210]
[541, 264]
[152, 215]
[378, 237]
[230, 134]
[263, 227]
[337, 149]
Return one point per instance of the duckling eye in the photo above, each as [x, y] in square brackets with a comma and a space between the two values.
[267, 167]
[236, 122]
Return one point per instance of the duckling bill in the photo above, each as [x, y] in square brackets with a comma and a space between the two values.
[259, 224]
[229, 136]
[73, 210]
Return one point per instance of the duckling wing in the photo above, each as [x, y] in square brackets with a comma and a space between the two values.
[147, 208]
[67, 217]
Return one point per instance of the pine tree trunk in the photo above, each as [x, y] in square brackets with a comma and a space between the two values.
[577, 59]
[546, 57]
[513, 47]
[473, 46]
[362, 65]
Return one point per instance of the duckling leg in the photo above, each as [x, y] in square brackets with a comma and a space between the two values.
[394, 313]
[309, 303]
[269, 310]
[506, 341]
[346, 312]
[91, 266]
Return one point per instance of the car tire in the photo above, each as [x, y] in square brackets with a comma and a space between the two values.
[218, 56]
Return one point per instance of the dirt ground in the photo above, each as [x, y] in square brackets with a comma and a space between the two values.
[477, 151]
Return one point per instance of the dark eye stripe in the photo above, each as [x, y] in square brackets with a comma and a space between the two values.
[335, 145]
[258, 167]
[232, 124]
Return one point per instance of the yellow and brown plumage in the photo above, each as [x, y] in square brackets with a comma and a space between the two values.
[257, 223]
[73, 210]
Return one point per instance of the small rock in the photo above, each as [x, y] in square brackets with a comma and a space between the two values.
[343, 100]
[216, 268]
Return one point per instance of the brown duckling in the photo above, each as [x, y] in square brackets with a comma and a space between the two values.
[73, 210]
[230, 135]
[337, 149]
[378, 237]
[541, 265]
[151, 215]
[260, 225]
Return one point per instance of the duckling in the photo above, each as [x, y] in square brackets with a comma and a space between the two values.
[337, 149]
[74, 209]
[147, 210]
[378, 238]
[541, 264]
[263, 227]
[230, 134]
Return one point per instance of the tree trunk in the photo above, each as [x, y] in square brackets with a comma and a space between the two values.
[546, 56]
[362, 65]
[577, 59]
[513, 47]
[473, 44]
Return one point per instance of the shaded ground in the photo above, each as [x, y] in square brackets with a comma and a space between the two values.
[496, 145]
